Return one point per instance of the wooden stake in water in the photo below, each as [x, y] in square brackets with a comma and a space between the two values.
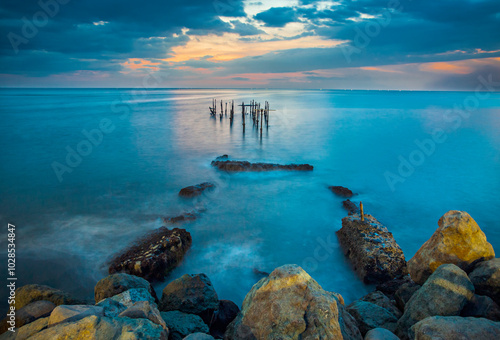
[362, 214]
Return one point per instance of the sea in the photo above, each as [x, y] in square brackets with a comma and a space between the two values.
[84, 173]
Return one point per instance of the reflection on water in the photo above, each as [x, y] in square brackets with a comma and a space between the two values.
[253, 220]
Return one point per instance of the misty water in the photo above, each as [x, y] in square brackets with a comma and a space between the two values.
[164, 140]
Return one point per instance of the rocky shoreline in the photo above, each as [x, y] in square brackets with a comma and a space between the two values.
[450, 289]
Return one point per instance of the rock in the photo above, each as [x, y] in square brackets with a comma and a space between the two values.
[33, 327]
[187, 216]
[380, 334]
[28, 314]
[455, 327]
[144, 310]
[369, 316]
[154, 256]
[486, 279]
[224, 315]
[239, 166]
[33, 292]
[70, 313]
[111, 307]
[196, 190]
[96, 327]
[341, 191]
[389, 288]
[193, 294]
[351, 207]
[348, 325]
[458, 240]
[182, 324]
[482, 307]
[381, 300]
[288, 304]
[199, 336]
[445, 293]
[371, 248]
[131, 296]
[118, 283]
[404, 294]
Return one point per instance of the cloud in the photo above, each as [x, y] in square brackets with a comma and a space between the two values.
[277, 16]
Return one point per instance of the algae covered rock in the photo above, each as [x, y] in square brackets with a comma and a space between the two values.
[457, 240]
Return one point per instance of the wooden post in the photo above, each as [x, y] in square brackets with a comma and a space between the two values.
[226, 109]
[361, 211]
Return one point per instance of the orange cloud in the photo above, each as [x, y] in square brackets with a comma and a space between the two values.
[447, 67]
[135, 64]
[380, 69]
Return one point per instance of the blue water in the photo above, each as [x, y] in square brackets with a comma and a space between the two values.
[164, 140]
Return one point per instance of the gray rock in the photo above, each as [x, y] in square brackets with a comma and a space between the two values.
[404, 294]
[193, 294]
[111, 307]
[348, 325]
[369, 316]
[224, 315]
[131, 296]
[455, 328]
[380, 299]
[118, 283]
[144, 310]
[182, 324]
[67, 313]
[445, 293]
[29, 313]
[482, 307]
[380, 334]
[486, 279]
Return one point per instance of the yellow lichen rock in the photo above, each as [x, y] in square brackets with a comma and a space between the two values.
[458, 240]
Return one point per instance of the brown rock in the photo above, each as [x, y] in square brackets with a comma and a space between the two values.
[341, 191]
[196, 190]
[239, 166]
[154, 256]
[458, 240]
[350, 207]
[371, 248]
[33, 292]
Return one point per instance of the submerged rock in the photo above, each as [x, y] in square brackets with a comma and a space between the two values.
[188, 216]
[458, 240]
[34, 292]
[486, 279]
[193, 294]
[341, 191]
[288, 304]
[445, 293]
[350, 207]
[239, 166]
[154, 256]
[196, 190]
[182, 324]
[455, 327]
[117, 283]
[371, 248]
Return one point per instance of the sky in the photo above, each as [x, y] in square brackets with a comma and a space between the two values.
[304, 44]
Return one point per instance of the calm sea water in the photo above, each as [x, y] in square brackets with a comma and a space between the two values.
[164, 140]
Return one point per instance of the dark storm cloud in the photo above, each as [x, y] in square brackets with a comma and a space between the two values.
[277, 16]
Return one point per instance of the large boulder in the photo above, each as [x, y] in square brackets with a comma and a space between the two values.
[369, 316]
[117, 283]
[481, 306]
[458, 240]
[288, 304]
[455, 327]
[144, 310]
[34, 292]
[193, 294]
[96, 327]
[486, 279]
[196, 190]
[224, 315]
[111, 308]
[32, 328]
[63, 313]
[182, 324]
[131, 296]
[154, 256]
[371, 248]
[445, 293]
